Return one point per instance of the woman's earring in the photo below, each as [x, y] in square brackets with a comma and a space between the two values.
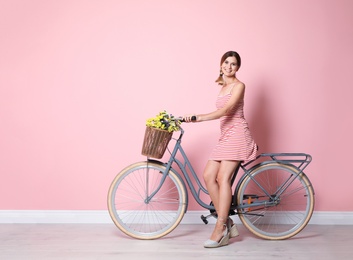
[220, 73]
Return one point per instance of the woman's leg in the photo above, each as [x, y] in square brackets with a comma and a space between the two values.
[210, 178]
[217, 176]
[224, 176]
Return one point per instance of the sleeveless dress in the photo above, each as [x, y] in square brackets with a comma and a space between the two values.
[235, 142]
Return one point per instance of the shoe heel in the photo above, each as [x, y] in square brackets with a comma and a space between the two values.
[233, 232]
[224, 241]
[232, 228]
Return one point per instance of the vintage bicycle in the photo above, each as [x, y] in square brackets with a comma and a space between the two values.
[273, 198]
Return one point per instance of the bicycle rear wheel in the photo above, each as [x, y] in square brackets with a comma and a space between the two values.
[139, 218]
[286, 197]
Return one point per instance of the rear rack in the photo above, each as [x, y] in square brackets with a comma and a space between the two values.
[299, 160]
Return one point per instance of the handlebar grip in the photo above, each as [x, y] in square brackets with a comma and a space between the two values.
[193, 118]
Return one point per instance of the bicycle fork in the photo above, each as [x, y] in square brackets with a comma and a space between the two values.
[165, 173]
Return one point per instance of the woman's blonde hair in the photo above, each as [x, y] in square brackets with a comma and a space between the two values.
[220, 80]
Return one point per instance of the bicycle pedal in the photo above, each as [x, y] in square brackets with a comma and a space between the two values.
[204, 219]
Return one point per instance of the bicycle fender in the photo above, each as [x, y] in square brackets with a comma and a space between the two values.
[265, 163]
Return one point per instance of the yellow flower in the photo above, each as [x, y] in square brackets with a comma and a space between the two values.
[164, 121]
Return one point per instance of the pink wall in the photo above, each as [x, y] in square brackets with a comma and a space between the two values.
[79, 78]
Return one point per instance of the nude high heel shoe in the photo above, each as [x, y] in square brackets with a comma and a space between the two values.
[233, 231]
[223, 242]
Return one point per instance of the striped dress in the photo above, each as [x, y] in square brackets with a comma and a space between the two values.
[235, 142]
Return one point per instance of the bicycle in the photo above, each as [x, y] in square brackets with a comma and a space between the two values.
[274, 199]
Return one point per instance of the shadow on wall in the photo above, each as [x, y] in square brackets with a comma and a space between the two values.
[260, 118]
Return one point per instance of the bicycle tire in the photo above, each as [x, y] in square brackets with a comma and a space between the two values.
[133, 215]
[293, 208]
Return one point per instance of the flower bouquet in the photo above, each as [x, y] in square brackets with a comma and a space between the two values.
[159, 131]
[164, 121]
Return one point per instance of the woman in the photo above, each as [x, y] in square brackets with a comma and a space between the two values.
[234, 146]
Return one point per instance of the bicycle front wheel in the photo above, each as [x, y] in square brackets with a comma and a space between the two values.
[143, 218]
[282, 198]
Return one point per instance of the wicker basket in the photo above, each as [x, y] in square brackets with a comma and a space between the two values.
[155, 142]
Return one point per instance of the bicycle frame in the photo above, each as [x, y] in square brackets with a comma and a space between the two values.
[183, 168]
[273, 198]
[186, 165]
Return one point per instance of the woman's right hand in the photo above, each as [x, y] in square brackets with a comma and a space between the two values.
[190, 118]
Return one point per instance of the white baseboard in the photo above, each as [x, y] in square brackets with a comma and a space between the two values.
[102, 217]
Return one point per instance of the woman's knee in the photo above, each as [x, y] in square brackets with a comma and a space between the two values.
[223, 182]
[209, 177]
[211, 171]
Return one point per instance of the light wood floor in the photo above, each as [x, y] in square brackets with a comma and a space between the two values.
[105, 241]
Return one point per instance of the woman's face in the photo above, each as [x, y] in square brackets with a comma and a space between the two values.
[229, 67]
